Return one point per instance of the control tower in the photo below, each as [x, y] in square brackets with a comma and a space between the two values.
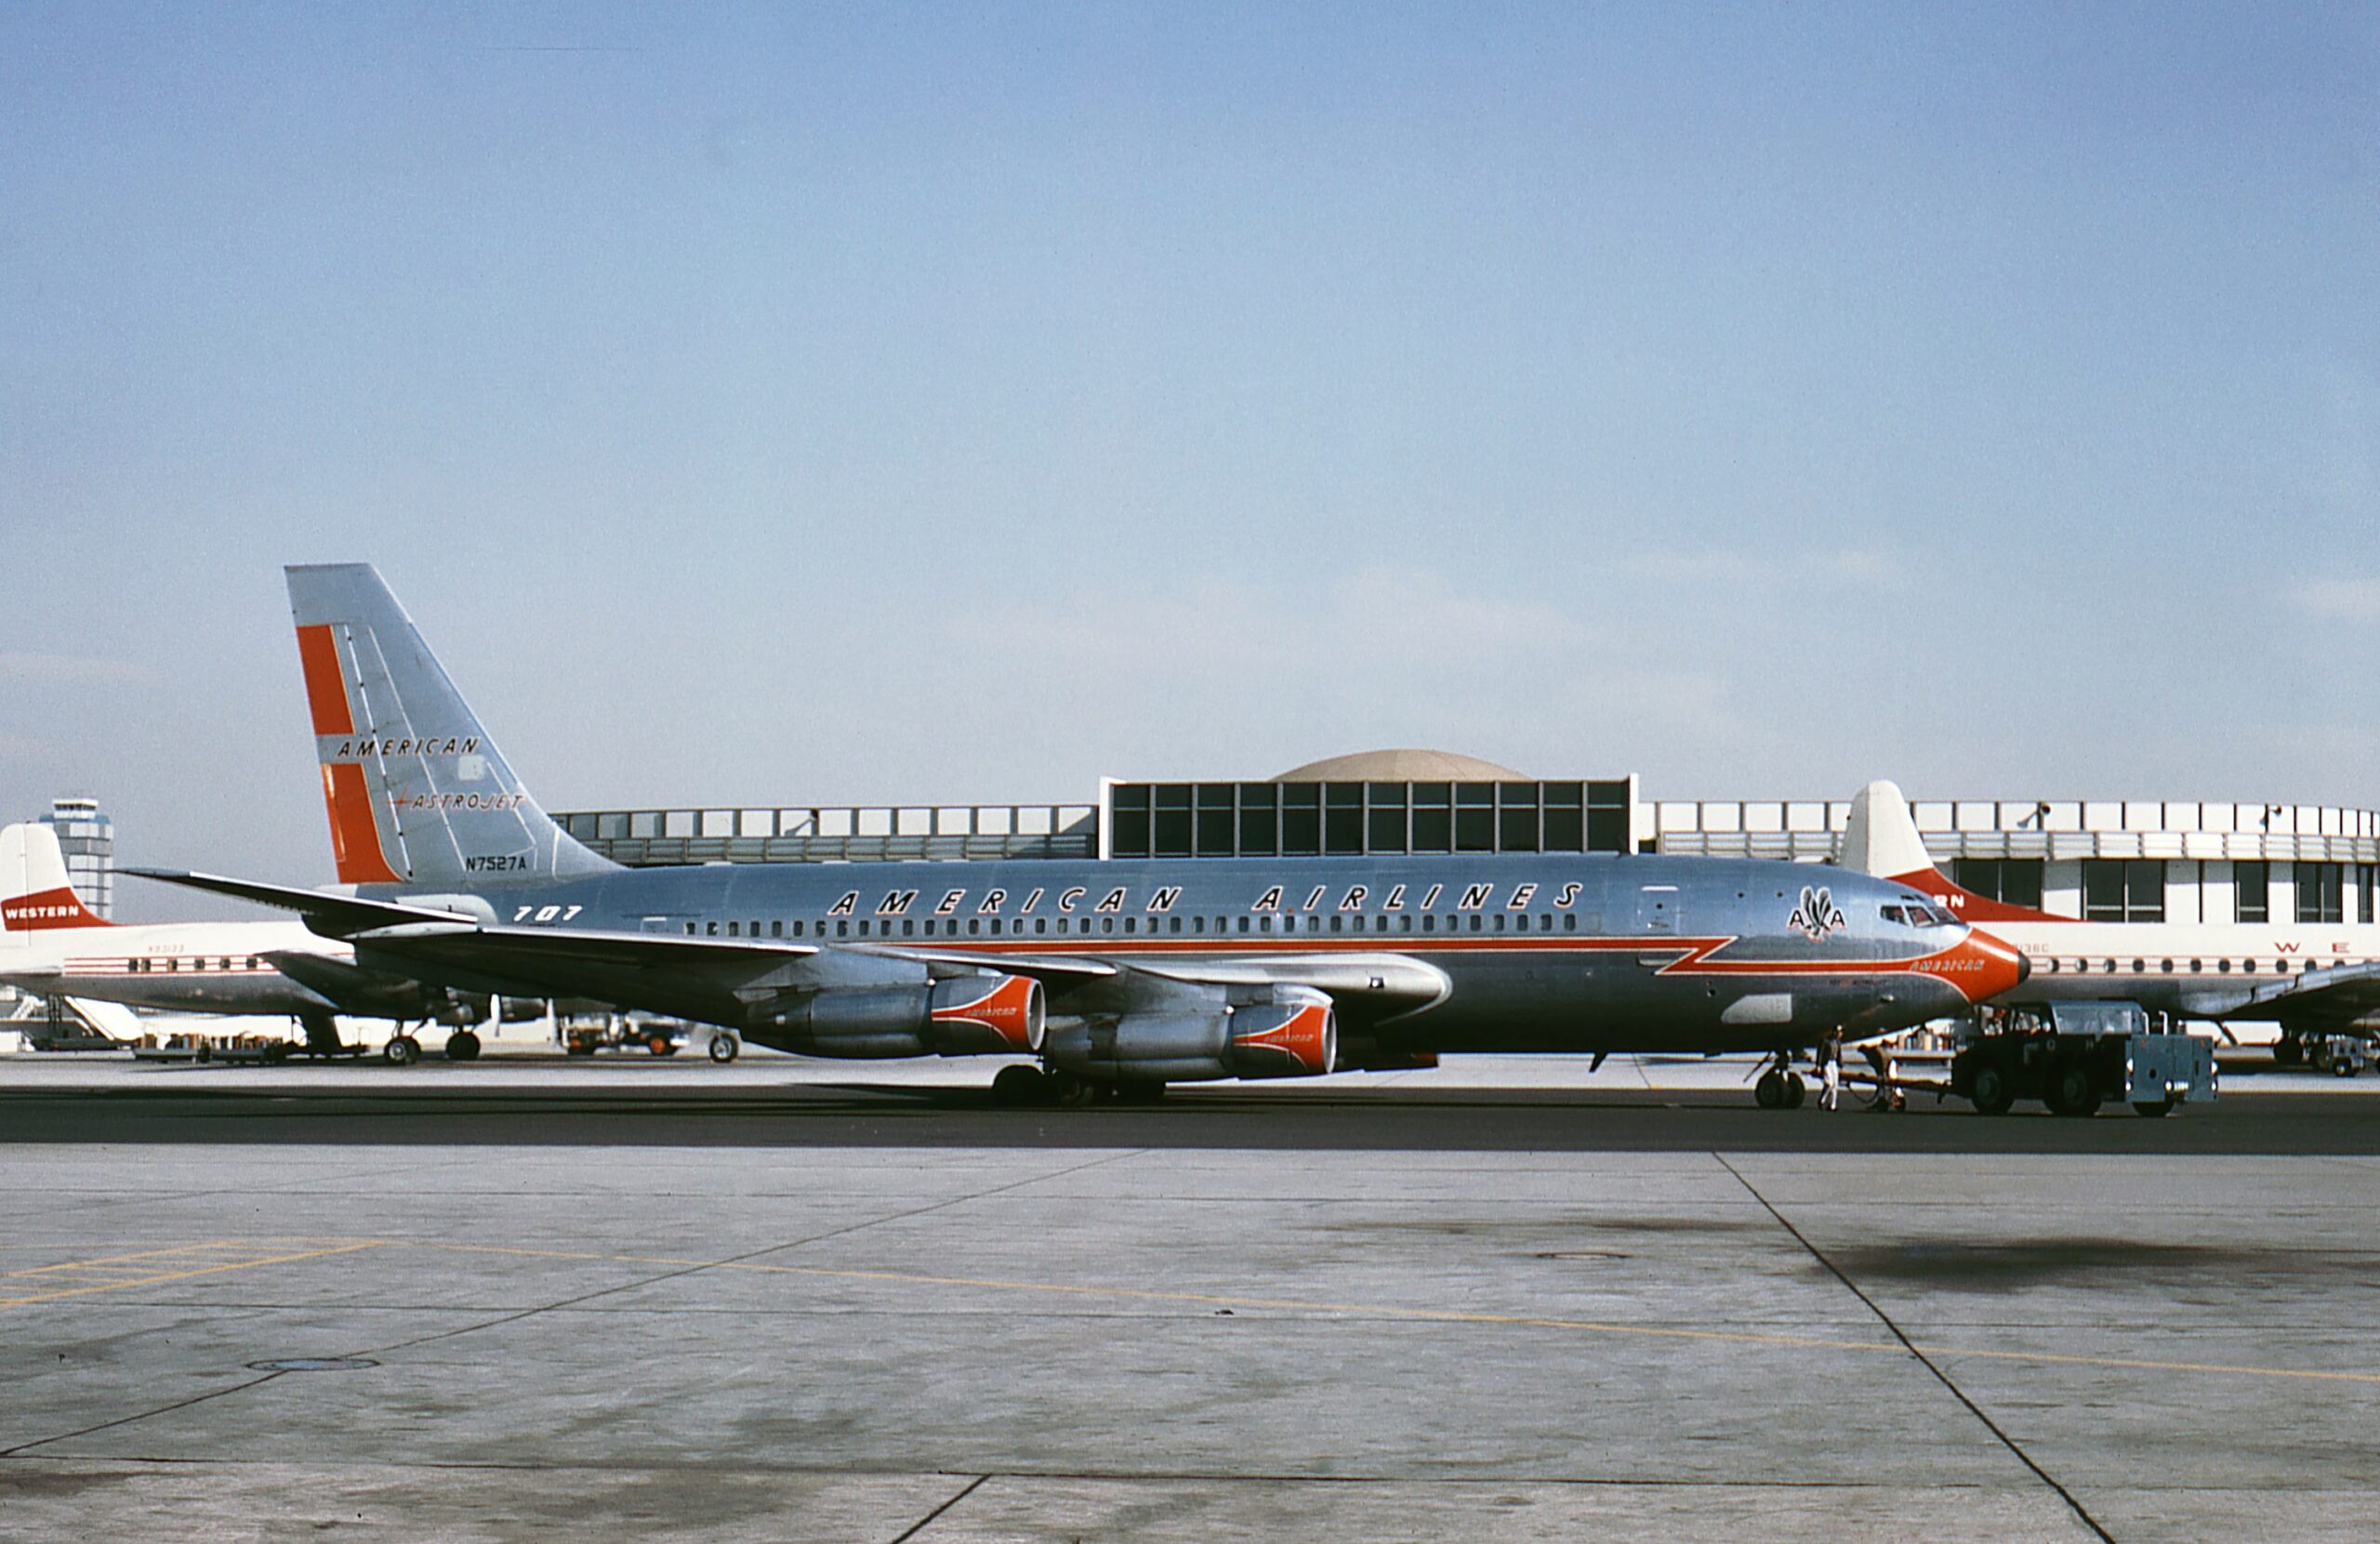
[87, 838]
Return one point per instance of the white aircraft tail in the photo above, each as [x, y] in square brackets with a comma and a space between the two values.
[34, 894]
[1881, 840]
[417, 793]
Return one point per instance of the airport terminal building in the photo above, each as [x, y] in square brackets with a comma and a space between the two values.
[2097, 860]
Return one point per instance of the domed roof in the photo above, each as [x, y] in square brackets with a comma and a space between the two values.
[1402, 766]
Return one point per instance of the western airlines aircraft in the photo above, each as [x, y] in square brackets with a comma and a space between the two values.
[2310, 978]
[1119, 976]
[51, 944]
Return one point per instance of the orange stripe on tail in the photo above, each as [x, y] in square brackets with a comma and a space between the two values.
[355, 827]
[325, 686]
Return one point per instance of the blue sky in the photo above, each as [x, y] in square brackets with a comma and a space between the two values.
[768, 405]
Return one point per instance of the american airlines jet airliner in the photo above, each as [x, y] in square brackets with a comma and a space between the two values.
[1116, 977]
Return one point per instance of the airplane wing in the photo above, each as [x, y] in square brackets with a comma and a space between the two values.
[2335, 997]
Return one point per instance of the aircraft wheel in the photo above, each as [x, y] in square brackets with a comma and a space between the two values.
[462, 1046]
[1990, 1091]
[723, 1048]
[403, 1051]
[1022, 1086]
[1769, 1092]
[2152, 1108]
[1796, 1090]
[2319, 1057]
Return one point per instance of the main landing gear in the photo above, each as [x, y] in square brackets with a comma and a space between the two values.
[1780, 1087]
[1023, 1086]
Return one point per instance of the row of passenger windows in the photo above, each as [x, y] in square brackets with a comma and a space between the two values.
[1076, 927]
[2170, 967]
[170, 964]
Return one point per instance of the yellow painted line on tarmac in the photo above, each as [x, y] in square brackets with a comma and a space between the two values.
[1429, 1315]
[152, 1267]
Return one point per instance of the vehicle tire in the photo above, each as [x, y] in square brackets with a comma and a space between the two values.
[2152, 1108]
[577, 1047]
[1022, 1087]
[2288, 1051]
[1769, 1092]
[661, 1045]
[723, 1048]
[1991, 1093]
[2344, 1066]
[403, 1051]
[2068, 1091]
[1072, 1092]
[1796, 1092]
[462, 1046]
[2319, 1057]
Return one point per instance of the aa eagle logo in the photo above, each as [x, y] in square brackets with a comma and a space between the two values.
[1817, 916]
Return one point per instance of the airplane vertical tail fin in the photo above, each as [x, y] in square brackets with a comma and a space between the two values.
[34, 892]
[1881, 838]
[417, 793]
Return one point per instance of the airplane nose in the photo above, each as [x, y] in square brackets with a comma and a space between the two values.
[1995, 967]
[1978, 966]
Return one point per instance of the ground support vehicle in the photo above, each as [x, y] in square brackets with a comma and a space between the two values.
[230, 1053]
[2340, 1055]
[585, 1034]
[2074, 1057]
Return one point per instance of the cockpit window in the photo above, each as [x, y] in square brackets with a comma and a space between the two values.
[1917, 913]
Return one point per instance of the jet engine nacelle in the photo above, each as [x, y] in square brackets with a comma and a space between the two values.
[1291, 1033]
[978, 1015]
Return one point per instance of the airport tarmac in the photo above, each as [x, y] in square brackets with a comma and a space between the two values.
[828, 1317]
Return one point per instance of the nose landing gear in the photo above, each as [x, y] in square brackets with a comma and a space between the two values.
[1780, 1087]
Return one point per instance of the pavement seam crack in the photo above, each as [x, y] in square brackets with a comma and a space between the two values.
[126, 1420]
[1915, 1351]
[745, 1258]
[927, 1521]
